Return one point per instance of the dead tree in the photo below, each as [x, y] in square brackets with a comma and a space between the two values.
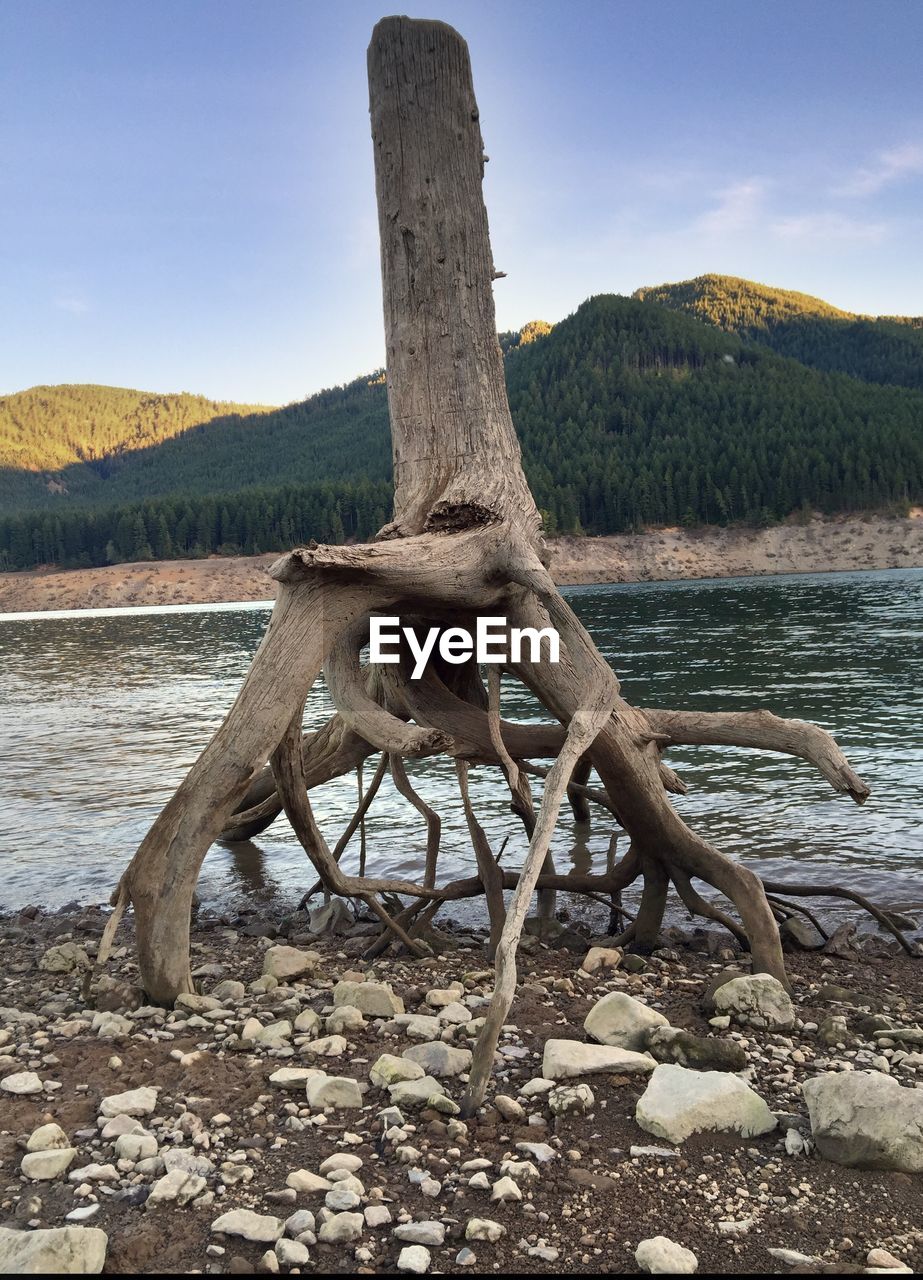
[465, 541]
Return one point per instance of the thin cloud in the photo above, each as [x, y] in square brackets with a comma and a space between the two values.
[737, 208]
[890, 166]
[821, 228]
[74, 306]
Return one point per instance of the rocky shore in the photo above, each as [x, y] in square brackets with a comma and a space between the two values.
[300, 1112]
[821, 546]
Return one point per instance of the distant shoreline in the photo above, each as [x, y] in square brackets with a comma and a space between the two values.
[657, 555]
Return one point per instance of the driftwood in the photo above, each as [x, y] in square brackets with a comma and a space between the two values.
[465, 541]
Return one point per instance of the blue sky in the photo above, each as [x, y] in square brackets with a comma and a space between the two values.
[187, 199]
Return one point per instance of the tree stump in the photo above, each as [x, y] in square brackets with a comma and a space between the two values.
[465, 541]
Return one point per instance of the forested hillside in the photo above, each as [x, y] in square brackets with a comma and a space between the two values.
[884, 349]
[46, 429]
[630, 412]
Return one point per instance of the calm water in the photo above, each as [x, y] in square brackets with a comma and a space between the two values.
[101, 713]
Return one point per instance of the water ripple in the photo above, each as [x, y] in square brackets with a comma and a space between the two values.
[102, 712]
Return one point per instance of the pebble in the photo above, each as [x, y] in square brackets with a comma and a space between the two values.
[415, 1258]
[428, 1233]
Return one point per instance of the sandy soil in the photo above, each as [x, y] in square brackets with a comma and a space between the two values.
[855, 542]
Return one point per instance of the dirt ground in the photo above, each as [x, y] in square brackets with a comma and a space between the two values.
[726, 1198]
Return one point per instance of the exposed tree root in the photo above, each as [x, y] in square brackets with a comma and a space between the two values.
[464, 543]
[776, 888]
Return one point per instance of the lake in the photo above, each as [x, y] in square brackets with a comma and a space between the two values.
[102, 712]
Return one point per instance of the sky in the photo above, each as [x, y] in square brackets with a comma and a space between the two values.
[187, 195]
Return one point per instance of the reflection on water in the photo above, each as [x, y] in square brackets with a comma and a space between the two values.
[101, 714]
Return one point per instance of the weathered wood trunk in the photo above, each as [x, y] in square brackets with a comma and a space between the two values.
[456, 456]
[465, 540]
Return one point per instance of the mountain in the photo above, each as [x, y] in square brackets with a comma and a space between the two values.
[631, 411]
[220, 448]
[883, 349]
[45, 429]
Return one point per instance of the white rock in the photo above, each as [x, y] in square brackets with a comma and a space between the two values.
[532, 1088]
[436, 1058]
[455, 1013]
[662, 1256]
[307, 1022]
[881, 1258]
[274, 1033]
[341, 1160]
[134, 1102]
[539, 1151]
[601, 958]
[283, 963]
[48, 1137]
[230, 991]
[795, 1144]
[575, 1098]
[792, 1257]
[64, 958]
[621, 1021]
[374, 999]
[440, 997]
[326, 1047]
[261, 1228]
[342, 1228]
[41, 1166]
[120, 1124]
[678, 1102]
[388, 1070]
[195, 1003]
[345, 1017]
[340, 1199]
[428, 1233]
[348, 1181]
[505, 1189]
[566, 1058]
[417, 1026]
[22, 1083]
[307, 1183]
[187, 1160]
[94, 1172]
[136, 1146]
[759, 995]
[415, 1093]
[865, 1119]
[509, 1109]
[291, 1253]
[484, 1229]
[331, 917]
[176, 1187]
[83, 1214]
[414, 1257]
[112, 1026]
[377, 1215]
[60, 1251]
[298, 1222]
[293, 1078]
[340, 1093]
[520, 1170]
